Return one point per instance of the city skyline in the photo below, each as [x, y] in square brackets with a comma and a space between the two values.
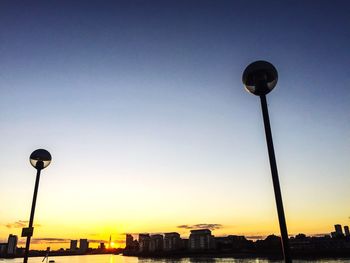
[144, 112]
[82, 245]
[59, 243]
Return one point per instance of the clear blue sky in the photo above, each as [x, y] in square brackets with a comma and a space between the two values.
[142, 107]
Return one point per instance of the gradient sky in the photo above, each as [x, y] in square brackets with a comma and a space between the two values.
[142, 107]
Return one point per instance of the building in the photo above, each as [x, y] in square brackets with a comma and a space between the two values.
[172, 241]
[131, 244]
[129, 241]
[3, 247]
[184, 243]
[110, 242]
[83, 245]
[156, 243]
[338, 230]
[232, 242]
[346, 231]
[201, 240]
[73, 245]
[271, 242]
[144, 241]
[12, 245]
[102, 246]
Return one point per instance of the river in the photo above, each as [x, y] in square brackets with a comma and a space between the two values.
[122, 259]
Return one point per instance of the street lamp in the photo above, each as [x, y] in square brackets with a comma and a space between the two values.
[259, 78]
[39, 159]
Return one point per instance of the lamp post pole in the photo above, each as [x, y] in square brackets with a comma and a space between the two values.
[31, 219]
[39, 159]
[259, 78]
[275, 181]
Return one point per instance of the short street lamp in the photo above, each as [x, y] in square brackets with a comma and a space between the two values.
[259, 78]
[39, 159]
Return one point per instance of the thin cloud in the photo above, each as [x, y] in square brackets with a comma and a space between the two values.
[184, 226]
[20, 224]
[54, 240]
[97, 241]
[47, 240]
[119, 241]
[202, 226]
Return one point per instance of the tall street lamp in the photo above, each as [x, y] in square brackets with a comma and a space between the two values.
[259, 78]
[39, 159]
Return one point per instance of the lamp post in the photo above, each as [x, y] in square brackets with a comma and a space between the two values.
[259, 78]
[39, 159]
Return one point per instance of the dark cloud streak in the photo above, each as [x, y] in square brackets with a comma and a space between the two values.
[20, 224]
[48, 240]
[53, 240]
[202, 226]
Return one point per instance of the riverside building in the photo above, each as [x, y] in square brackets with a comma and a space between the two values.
[201, 239]
[84, 245]
[172, 241]
[73, 245]
[144, 242]
[12, 245]
[156, 243]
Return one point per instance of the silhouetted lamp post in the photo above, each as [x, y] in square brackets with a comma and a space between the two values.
[259, 78]
[39, 159]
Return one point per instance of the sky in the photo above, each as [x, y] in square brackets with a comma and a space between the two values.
[143, 110]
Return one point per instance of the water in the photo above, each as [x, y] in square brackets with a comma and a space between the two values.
[122, 259]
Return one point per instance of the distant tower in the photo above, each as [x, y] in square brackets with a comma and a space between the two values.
[73, 245]
[84, 245]
[12, 244]
[346, 230]
[338, 230]
[129, 241]
[110, 241]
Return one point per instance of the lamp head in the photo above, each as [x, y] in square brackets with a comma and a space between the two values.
[260, 77]
[40, 159]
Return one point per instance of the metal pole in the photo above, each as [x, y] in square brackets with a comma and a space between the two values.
[275, 180]
[25, 260]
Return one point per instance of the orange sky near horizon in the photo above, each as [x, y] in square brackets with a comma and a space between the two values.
[44, 236]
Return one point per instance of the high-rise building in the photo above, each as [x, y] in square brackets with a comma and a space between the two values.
[156, 243]
[83, 245]
[172, 241]
[3, 247]
[73, 245]
[338, 230]
[144, 241]
[12, 244]
[346, 231]
[131, 244]
[129, 241]
[201, 239]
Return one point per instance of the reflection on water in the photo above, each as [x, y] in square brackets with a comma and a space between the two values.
[121, 259]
